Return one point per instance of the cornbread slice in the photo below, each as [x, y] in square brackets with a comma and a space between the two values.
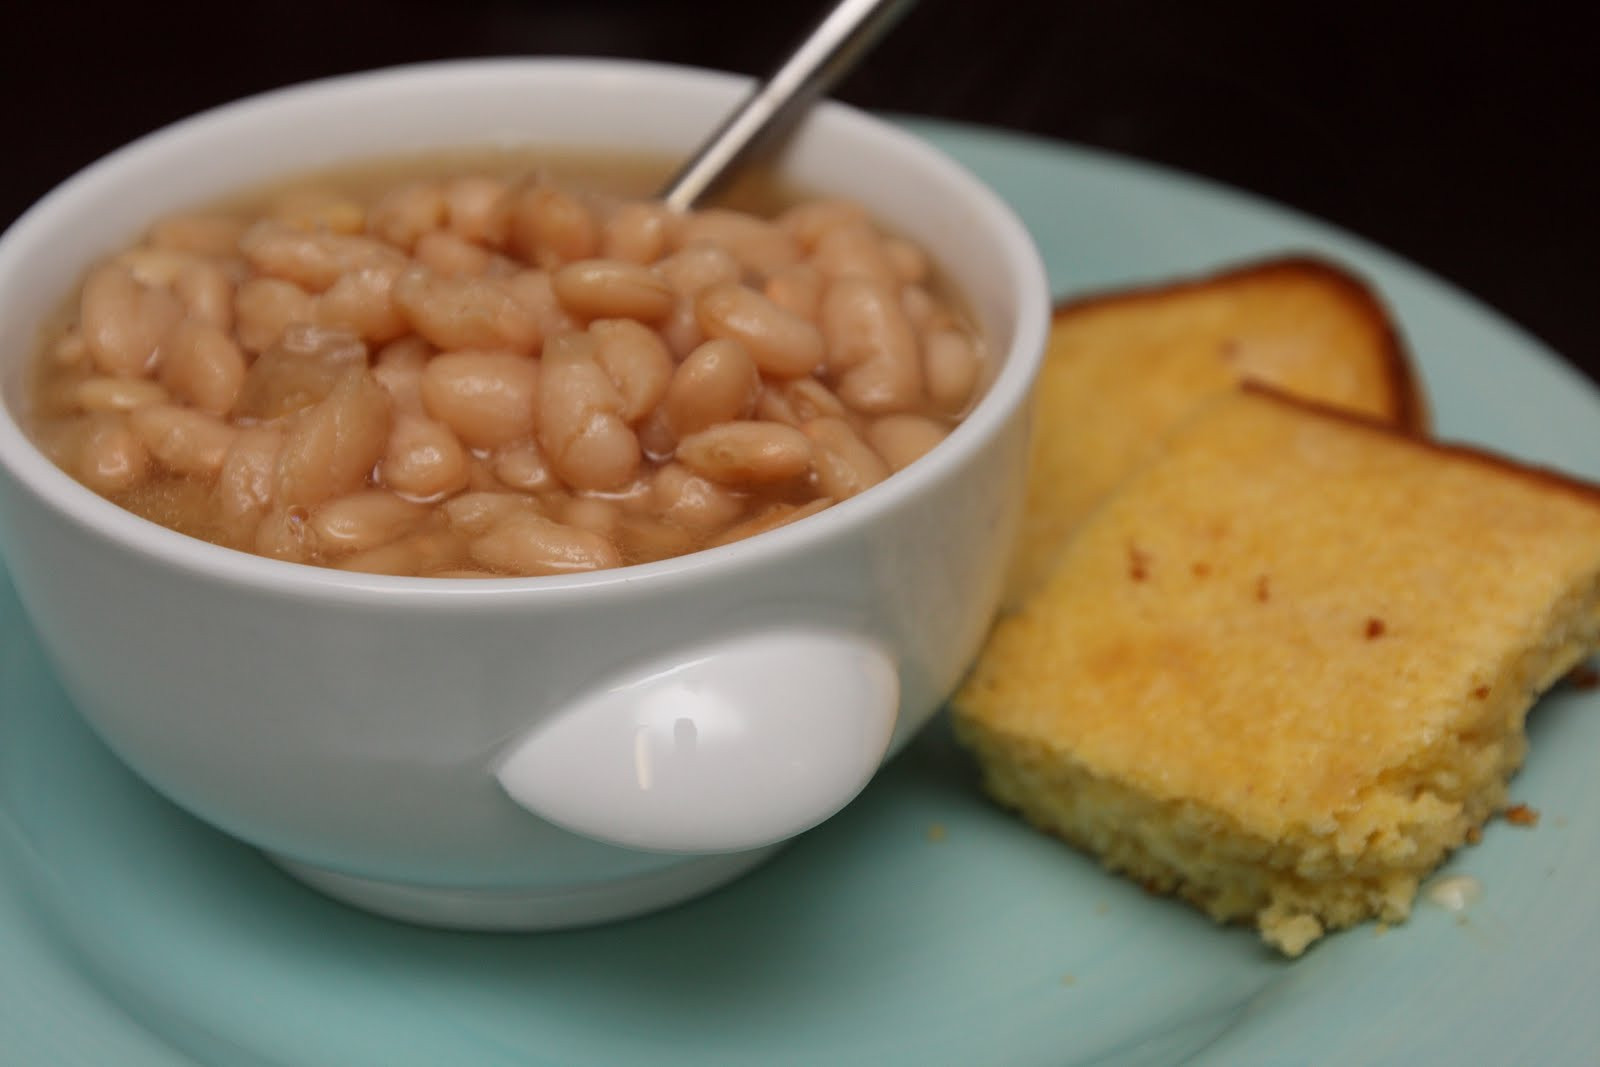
[1283, 671]
[1121, 369]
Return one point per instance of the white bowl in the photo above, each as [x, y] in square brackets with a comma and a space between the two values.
[522, 752]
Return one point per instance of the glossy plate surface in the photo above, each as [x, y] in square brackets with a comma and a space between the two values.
[921, 925]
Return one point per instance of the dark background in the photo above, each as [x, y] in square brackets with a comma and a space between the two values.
[1460, 136]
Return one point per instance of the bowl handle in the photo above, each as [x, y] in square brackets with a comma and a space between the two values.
[730, 746]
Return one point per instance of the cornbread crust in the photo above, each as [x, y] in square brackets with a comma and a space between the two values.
[1284, 670]
[1121, 369]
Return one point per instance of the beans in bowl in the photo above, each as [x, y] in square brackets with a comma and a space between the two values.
[488, 373]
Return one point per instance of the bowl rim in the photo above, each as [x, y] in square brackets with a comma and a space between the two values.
[1004, 398]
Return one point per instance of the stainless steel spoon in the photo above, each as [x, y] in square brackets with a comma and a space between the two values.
[843, 36]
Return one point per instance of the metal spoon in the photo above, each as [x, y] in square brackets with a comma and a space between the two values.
[843, 36]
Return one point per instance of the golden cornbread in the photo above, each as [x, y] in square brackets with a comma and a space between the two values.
[1121, 369]
[1283, 670]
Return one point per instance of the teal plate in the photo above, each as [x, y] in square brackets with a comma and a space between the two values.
[921, 926]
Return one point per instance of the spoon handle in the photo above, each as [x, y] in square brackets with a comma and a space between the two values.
[839, 40]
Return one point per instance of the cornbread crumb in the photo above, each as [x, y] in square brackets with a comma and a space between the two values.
[1521, 815]
[1455, 893]
[1290, 934]
[1269, 760]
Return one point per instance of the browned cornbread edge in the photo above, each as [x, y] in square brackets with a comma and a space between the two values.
[1410, 413]
[1546, 476]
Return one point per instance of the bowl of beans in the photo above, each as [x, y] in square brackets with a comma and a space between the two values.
[399, 487]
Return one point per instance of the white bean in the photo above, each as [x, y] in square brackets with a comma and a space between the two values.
[535, 291]
[747, 452]
[854, 250]
[296, 372]
[398, 368]
[362, 520]
[452, 255]
[183, 440]
[522, 465]
[693, 501]
[457, 313]
[112, 458]
[872, 349]
[478, 208]
[247, 481]
[782, 343]
[422, 458]
[797, 289]
[530, 544]
[202, 365]
[429, 552]
[312, 260]
[760, 247]
[697, 266]
[717, 382]
[331, 447]
[402, 216]
[550, 227]
[903, 439]
[580, 426]
[638, 232]
[951, 363]
[487, 398]
[612, 289]
[594, 514]
[117, 394]
[206, 292]
[637, 362]
[124, 321]
[264, 308]
[285, 533]
[845, 465]
[808, 221]
[474, 513]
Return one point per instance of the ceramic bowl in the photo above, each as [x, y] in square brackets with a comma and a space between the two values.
[521, 753]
